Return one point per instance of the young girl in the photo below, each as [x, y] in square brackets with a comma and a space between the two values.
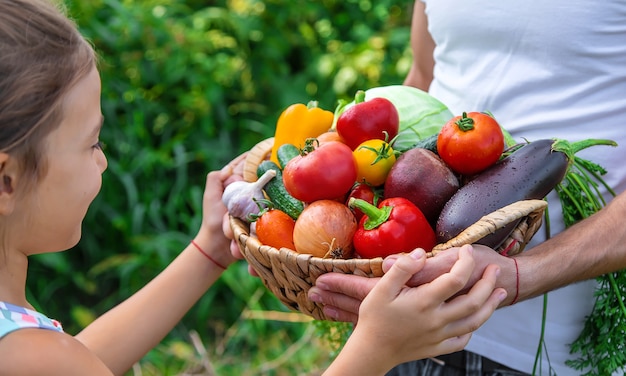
[51, 165]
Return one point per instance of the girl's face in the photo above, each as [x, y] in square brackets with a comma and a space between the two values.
[75, 163]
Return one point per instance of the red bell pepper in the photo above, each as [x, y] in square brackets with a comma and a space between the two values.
[395, 226]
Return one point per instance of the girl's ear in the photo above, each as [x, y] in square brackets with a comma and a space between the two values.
[7, 184]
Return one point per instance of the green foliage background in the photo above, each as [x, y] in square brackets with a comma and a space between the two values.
[187, 86]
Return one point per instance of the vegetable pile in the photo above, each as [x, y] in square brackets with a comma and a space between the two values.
[384, 175]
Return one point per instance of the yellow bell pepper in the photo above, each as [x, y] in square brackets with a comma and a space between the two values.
[299, 122]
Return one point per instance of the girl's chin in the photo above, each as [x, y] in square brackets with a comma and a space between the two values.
[73, 240]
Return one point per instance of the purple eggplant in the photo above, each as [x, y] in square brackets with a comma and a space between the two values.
[529, 172]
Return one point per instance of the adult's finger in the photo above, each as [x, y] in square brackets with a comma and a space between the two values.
[338, 314]
[356, 287]
[337, 306]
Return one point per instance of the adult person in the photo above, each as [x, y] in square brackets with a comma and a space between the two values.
[592, 247]
[551, 69]
[51, 166]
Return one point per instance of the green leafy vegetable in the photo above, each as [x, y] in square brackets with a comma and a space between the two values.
[601, 342]
[421, 114]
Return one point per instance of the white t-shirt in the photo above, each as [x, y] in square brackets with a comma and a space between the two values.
[545, 69]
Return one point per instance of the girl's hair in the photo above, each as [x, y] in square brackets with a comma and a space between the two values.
[42, 56]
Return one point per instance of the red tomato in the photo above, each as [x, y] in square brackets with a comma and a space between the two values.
[323, 173]
[376, 118]
[275, 228]
[470, 143]
[364, 192]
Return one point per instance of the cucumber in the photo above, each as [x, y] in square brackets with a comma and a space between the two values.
[285, 153]
[276, 192]
[428, 143]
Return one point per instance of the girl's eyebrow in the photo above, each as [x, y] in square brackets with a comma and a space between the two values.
[96, 130]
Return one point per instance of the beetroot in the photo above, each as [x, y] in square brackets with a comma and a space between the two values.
[420, 176]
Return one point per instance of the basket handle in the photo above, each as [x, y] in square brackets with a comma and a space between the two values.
[492, 222]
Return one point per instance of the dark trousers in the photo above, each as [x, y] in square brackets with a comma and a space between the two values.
[462, 363]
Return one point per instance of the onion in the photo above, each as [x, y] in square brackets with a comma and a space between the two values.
[325, 229]
[329, 136]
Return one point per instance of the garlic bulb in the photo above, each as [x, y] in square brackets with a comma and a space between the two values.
[239, 197]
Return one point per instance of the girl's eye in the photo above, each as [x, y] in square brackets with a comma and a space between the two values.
[98, 145]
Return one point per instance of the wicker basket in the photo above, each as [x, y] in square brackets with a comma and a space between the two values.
[289, 275]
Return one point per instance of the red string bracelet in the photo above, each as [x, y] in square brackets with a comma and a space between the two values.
[516, 282]
[207, 255]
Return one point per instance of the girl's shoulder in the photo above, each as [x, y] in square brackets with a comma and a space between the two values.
[33, 344]
[13, 317]
[33, 351]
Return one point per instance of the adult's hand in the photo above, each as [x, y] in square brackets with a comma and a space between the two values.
[342, 294]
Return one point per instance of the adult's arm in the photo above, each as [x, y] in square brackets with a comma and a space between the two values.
[421, 73]
[590, 248]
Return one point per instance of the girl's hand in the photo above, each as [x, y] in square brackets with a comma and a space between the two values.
[432, 317]
[212, 237]
[397, 323]
[236, 166]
